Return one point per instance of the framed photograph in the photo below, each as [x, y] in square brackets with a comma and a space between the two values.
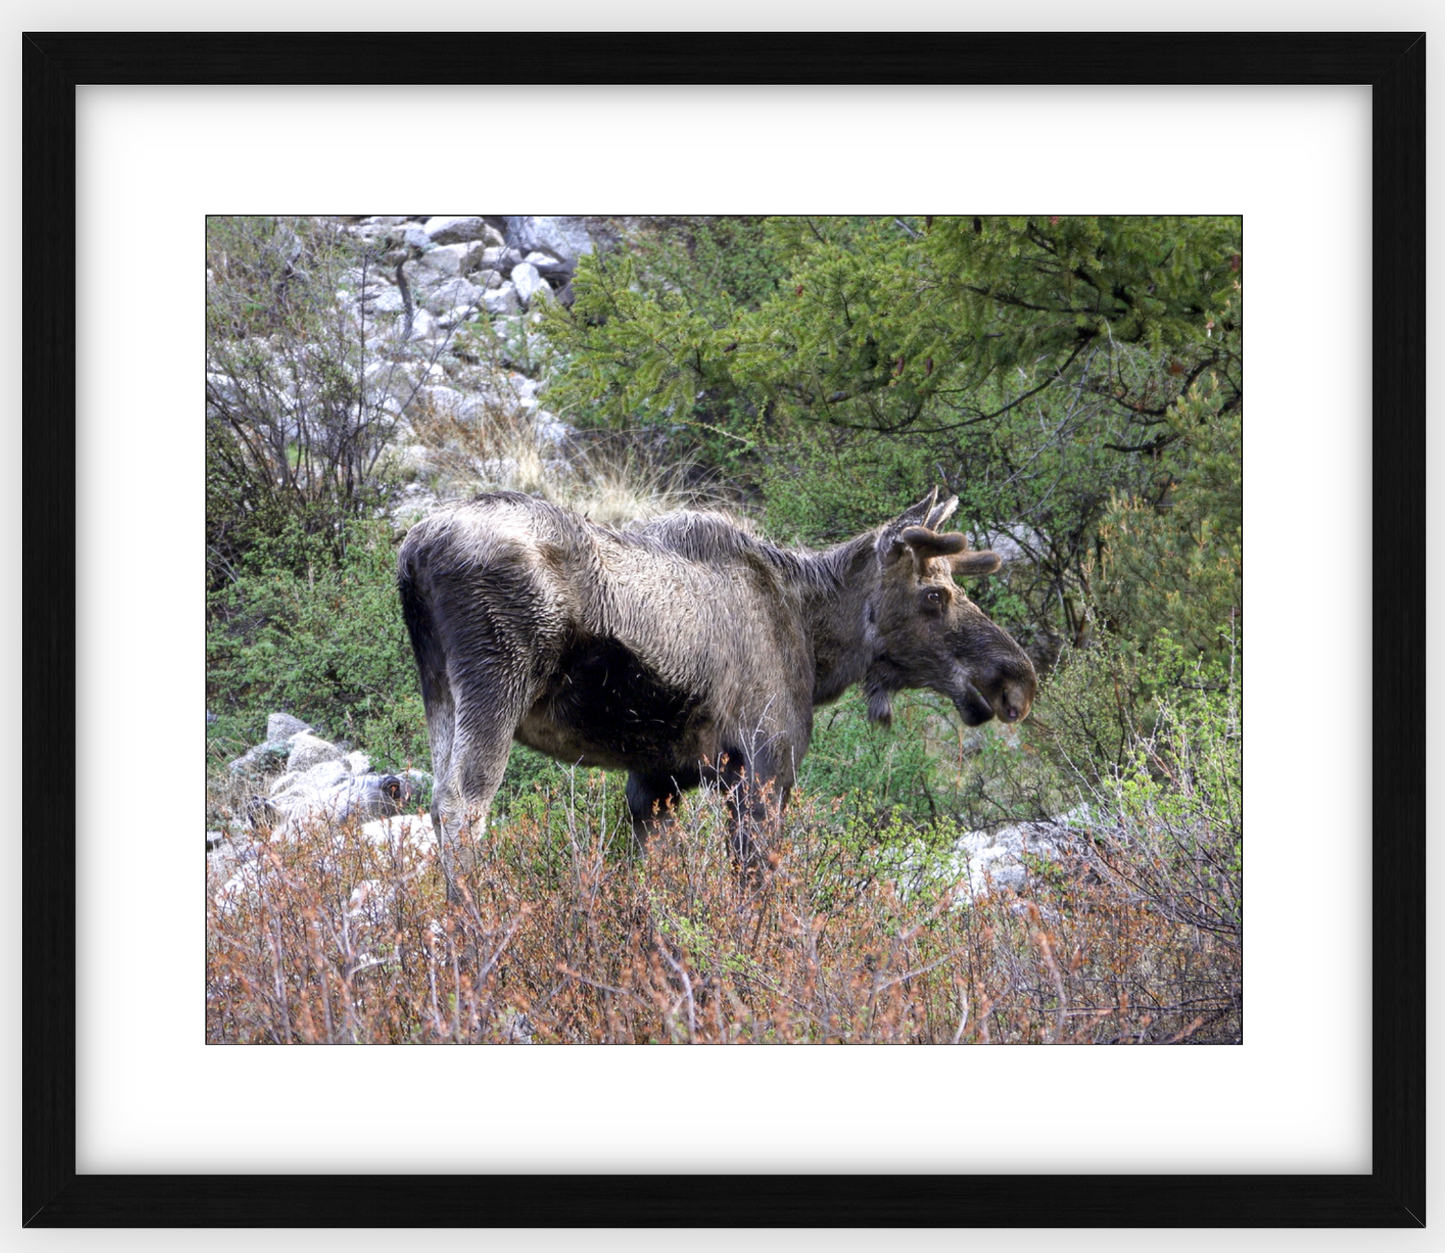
[1150, 124]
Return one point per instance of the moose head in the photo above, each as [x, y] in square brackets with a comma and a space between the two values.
[928, 634]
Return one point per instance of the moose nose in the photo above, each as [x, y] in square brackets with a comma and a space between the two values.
[1013, 703]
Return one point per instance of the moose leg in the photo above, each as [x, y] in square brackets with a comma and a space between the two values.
[486, 718]
[755, 796]
[651, 801]
[441, 719]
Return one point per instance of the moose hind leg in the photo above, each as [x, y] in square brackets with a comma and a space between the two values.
[481, 742]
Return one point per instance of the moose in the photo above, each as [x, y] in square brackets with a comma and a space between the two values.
[684, 650]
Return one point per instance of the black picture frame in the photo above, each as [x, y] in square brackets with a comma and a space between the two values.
[1392, 1194]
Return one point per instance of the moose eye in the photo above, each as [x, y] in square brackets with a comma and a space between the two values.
[934, 598]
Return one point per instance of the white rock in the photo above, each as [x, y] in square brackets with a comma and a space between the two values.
[357, 762]
[444, 402]
[311, 781]
[414, 831]
[240, 889]
[284, 726]
[456, 316]
[389, 301]
[502, 301]
[986, 860]
[455, 291]
[526, 280]
[447, 259]
[520, 386]
[1014, 543]
[455, 230]
[499, 470]
[314, 804]
[550, 430]
[565, 237]
[307, 750]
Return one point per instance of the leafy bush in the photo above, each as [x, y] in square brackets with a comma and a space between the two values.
[1176, 564]
[327, 644]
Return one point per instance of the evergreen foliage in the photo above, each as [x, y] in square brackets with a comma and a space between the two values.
[1041, 367]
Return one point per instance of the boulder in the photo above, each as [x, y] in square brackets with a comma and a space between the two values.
[412, 830]
[453, 292]
[386, 301]
[549, 430]
[526, 280]
[503, 301]
[281, 726]
[1015, 542]
[553, 269]
[262, 760]
[453, 230]
[443, 402]
[564, 237]
[314, 781]
[990, 860]
[308, 750]
[329, 794]
[471, 256]
[455, 316]
[449, 259]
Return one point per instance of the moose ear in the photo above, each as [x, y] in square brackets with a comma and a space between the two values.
[941, 513]
[928, 543]
[976, 563]
[917, 514]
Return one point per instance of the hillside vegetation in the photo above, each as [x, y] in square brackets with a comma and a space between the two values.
[1076, 382]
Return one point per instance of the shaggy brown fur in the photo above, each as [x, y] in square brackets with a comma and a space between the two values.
[683, 650]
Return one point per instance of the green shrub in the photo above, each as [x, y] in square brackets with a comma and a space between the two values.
[327, 644]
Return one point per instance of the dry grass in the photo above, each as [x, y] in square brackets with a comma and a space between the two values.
[337, 937]
[610, 477]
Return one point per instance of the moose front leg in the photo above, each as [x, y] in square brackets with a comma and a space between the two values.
[756, 793]
[652, 801]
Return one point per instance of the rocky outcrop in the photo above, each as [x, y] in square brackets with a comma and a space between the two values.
[307, 788]
[448, 303]
[991, 860]
[296, 777]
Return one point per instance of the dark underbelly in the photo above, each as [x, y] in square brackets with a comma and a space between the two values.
[604, 707]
